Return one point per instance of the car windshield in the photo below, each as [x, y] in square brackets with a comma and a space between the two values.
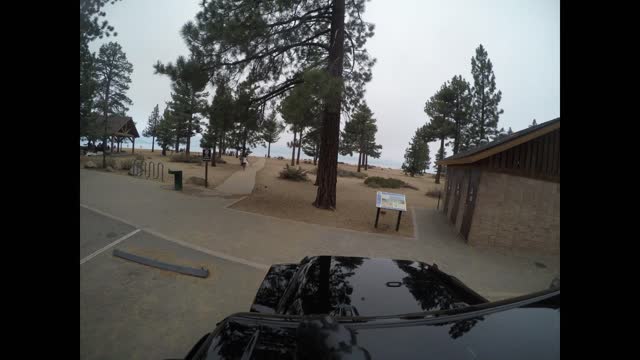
[353, 159]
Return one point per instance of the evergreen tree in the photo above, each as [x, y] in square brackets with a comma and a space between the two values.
[247, 116]
[311, 144]
[282, 40]
[359, 135]
[188, 98]
[113, 77]
[91, 28]
[165, 131]
[150, 130]
[300, 110]
[440, 109]
[486, 98]
[533, 123]
[461, 111]
[271, 130]
[221, 116]
[416, 156]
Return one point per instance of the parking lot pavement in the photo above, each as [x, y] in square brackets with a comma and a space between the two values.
[133, 311]
[97, 231]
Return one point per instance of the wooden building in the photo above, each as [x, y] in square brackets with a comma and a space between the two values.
[119, 129]
[507, 193]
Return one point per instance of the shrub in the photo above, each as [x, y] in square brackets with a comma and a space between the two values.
[126, 164]
[182, 157]
[195, 180]
[410, 186]
[293, 173]
[313, 171]
[110, 162]
[348, 173]
[434, 193]
[140, 157]
[380, 182]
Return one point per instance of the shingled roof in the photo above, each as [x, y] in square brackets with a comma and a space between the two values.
[485, 150]
[120, 126]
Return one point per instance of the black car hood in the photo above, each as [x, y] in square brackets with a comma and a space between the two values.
[358, 286]
[519, 328]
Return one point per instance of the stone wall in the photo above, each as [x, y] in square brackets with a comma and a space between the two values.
[516, 212]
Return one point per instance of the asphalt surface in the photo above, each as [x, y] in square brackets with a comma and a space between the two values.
[133, 311]
[129, 310]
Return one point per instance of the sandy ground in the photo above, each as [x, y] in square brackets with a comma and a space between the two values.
[355, 201]
[217, 175]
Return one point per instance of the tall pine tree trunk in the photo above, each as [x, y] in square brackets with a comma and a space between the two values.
[441, 152]
[213, 154]
[299, 147]
[315, 155]
[221, 144]
[153, 142]
[293, 148]
[366, 162]
[244, 143]
[189, 127]
[359, 160]
[330, 132]
[269, 151]
[106, 113]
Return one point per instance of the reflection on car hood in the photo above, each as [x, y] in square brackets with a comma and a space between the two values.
[520, 329]
[358, 286]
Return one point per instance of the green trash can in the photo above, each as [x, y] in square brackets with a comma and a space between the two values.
[177, 178]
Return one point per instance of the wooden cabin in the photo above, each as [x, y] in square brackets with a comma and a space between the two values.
[507, 193]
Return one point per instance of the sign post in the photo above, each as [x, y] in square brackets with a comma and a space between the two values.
[390, 201]
[206, 156]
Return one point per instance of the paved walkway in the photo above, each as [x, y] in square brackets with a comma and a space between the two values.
[242, 182]
[207, 222]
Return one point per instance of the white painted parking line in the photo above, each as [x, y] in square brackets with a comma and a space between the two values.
[97, 252]
[185, 244]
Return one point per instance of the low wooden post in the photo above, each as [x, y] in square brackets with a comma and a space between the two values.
[206, 174]
[398, 223]
[377, 216]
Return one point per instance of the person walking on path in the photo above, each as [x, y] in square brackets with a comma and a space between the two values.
[243, 161]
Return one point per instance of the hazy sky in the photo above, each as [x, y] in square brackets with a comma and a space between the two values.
[419, 45]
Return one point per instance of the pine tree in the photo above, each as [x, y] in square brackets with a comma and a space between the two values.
[271, 130]
[247, 116]
[311, 144]
[281, 40]
[91, 28]
[461, 112]
[533, 123]
[300, 109]
[221, 115]
[485, 112]
[165, 131]
[440, 109]
[188, 97]
[359, 135]
[150, 130]
[416, 156]
[113, 77]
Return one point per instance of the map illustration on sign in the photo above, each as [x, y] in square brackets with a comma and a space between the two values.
[391, 201]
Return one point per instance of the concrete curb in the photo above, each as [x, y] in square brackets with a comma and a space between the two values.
[186, 270]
